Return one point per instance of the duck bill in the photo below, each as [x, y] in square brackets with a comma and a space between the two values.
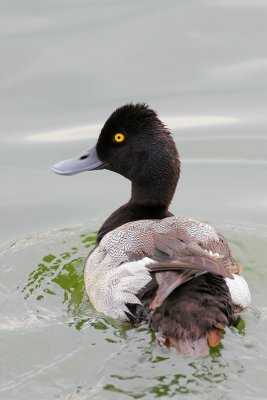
[88, 161]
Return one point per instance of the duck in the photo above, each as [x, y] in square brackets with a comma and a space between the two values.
[173, 272]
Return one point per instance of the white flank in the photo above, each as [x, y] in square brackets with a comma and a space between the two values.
[117, 287]
[239, 291]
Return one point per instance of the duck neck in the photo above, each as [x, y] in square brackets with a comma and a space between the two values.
[149, 201]
[156, 193]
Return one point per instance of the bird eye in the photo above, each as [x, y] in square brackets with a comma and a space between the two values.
[119, 137]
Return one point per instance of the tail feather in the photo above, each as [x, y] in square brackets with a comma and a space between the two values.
[187, 348]
[194, 315]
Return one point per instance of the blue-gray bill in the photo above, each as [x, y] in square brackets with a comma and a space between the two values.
[88, 161]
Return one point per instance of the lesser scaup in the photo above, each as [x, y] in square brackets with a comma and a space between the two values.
[175, 272]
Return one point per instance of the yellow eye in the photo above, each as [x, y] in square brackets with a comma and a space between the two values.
[119, 137]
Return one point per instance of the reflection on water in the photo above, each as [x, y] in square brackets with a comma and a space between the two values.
[62, 275]
[171, 385]
[66, 276]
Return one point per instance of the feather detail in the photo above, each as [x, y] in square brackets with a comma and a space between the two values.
[190, 262]
[168, 281]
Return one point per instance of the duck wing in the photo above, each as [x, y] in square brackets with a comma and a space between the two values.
[176, 262]
[192, 318]
[168, 281]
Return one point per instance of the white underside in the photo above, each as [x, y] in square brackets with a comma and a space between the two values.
[110, 291]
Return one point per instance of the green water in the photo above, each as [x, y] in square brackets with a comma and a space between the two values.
[65, 66]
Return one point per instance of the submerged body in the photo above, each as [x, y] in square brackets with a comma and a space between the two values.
[175, 272]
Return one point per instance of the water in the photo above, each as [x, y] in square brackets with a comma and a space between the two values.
[54, 345]
[64, 67]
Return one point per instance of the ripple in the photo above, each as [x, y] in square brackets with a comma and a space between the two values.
[56, 333]
[44, 236]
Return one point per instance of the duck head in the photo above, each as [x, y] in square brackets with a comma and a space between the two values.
[136, 144]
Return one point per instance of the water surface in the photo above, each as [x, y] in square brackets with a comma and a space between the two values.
[65, 66]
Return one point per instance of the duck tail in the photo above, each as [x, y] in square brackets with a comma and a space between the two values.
[192, 348]
[193, 317]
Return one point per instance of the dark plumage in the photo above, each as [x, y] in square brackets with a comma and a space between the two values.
[154, 174]
[192, 311]
[185, 297]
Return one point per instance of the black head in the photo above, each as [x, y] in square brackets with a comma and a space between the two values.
[136, 144]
